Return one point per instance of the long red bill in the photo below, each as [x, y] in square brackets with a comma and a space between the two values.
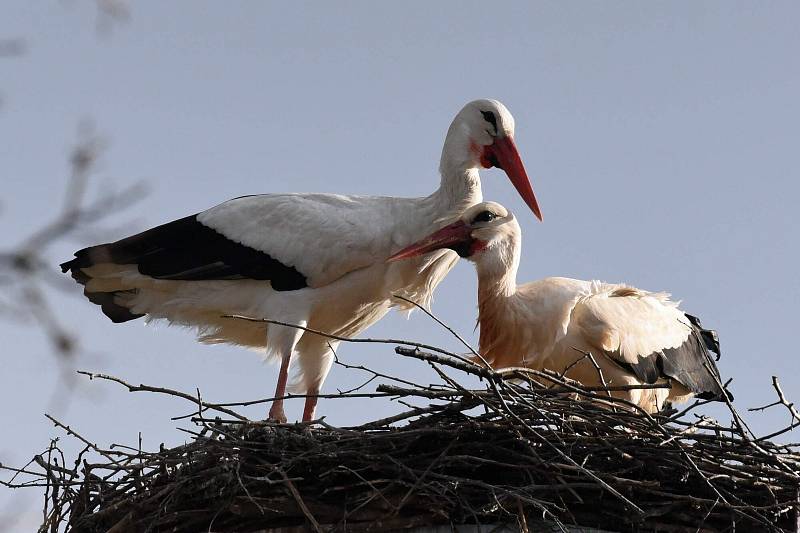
[506, 153]
[452, 235]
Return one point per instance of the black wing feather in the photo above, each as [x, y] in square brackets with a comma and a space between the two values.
[690, 364]
[185, 250]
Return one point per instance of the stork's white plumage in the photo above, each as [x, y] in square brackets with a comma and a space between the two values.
[316, 260]
[635, 336]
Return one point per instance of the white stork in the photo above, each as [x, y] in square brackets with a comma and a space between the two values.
[635, 336]
[316, 260]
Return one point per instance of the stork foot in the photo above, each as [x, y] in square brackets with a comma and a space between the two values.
[276, 414]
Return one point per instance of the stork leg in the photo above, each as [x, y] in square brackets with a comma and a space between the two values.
[276, 412]
[283, 339]
[314, 368]
[311, 404]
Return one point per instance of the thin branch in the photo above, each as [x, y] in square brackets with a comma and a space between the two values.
[162, 390]
[445, 326]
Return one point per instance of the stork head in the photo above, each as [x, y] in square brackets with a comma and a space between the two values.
[487, 233]
[482, 136]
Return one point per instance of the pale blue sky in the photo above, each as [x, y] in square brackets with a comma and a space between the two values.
[662, 139]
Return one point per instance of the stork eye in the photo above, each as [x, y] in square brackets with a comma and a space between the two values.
[489, 117]
[484, 216]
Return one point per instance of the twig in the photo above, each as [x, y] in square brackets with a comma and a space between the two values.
[300, 502]
[348, 339]
[162, 390]
[448, 328]
[781, 401]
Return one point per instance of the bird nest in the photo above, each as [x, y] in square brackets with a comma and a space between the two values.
[525, 449]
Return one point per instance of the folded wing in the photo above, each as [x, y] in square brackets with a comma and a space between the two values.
[648, 335]
[292, 240]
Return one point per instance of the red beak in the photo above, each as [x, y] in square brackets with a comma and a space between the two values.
[452, 235]
[506, 154]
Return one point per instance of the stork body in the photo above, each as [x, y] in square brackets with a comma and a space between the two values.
[634, 336]
[315, 260]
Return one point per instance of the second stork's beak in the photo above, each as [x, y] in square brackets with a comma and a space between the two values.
[506, 154]
[455, 235]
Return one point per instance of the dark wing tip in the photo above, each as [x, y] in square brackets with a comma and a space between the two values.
[73, 264]
[716, 396]
[74, 267]
[709, 336]
[106, 300]
[111, 309]
[692, 364]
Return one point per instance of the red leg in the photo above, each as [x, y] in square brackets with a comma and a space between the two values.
[276, 411]
[311, 404]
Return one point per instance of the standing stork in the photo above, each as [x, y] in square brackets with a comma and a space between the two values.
[315, 260]
[635, 336]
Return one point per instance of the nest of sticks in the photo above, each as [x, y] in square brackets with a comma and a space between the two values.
[525, 449]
